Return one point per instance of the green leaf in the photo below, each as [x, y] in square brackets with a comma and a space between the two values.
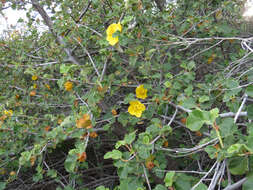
[249, 183]
[214, 113]
[25, 157]
[189, 103]
[211, 151]
[143, 152]
[2, 185]
[119, 144]
[227, 127]
[169, 178]
[70, 164]
[168, 75]
[167, 84]
[145, 139]
[188, 91]
[201, 186]
[130, 183]
[237, 149]
[127, 19]
[183, 182]
[160, 187]
[231, 84]
[115, 154]
[123, 118]
[191, 65]
[52, 173]
[249, 90]
[129, 138]
[123, 172]
[250, 111]
[195, 120]
[102, 188]
[67, 121]
[129, 98]
[203, 99]
[166, 128]
[66, 68]
[238, 165]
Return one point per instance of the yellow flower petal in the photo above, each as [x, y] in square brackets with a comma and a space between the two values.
[136, 108]
[8, 113]
[112, 41]
[110, 32]
[34, 77]
[68, 86]
[141, 92]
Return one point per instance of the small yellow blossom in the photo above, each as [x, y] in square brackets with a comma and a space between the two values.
[12, 173]
[33, 93]
[110, 33]
[35, 86]
[93, 134]
[84, 122]
[68, 86]
[136, 108]
[8, 113]
[114, 112]
[34, 77]
[47, 86]
[141, 92]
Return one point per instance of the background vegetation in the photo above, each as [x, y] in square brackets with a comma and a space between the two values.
[185, 67]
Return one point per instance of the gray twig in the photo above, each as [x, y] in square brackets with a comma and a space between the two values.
[236, 185]
[240, 108]
[59, 38]
[145, 174]
[196, 185]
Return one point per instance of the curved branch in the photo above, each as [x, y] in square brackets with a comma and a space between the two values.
[59, 38]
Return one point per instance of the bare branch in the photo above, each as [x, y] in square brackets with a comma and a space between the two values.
[236, 185]
[240, 108]
[59, 39]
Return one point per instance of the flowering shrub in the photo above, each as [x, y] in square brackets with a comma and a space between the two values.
[127, 95]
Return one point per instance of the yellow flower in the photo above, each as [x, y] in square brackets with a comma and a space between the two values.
[12, 173]
[110, 33]
[141, 92]
[35, 86]
[93, 134]
[33, 93]
[47, 86]
[34, 77]
[68, 86]
[136, 108]
[8, 113]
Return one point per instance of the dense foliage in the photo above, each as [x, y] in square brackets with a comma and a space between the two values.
[133, 94]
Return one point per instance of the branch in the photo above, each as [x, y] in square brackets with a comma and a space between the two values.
[145, 174]
[81, 16]
[236, 185]
[240, 108]
[59, 39]
[196, 185]
[228, 114]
